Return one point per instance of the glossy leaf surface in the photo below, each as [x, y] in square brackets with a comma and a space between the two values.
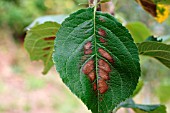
[158, 50]
[97, 59]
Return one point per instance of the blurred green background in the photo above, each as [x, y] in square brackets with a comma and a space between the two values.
[23, 89]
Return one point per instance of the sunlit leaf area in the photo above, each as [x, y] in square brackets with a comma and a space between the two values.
[25, 89]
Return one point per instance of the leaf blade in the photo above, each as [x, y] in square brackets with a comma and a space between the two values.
[39, 43]
[84, 35]
[158, 50]
[139, 108]
[138, 30]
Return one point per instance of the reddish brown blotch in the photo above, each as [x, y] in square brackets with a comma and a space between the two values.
[87, 45]
[45, 55]
[102, 86]
[103, 74]
[92, 76]
[101, 19]
[102, 32]
[88, 67]
[87, 48]
[105, 55]
[104, 65]
[47, 48]
[87, 52]
[102, 40]
[49, 38]
[95, 86]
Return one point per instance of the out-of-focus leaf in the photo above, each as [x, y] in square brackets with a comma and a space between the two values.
[148, 6]
[162, 1]
[163, 91]
[138, 30]
[162, 12]
[103, 1]
[166, 39]
[158, 50]
[152, 38]
[139, 108]
[39, 43]
[52, 18]
[138, 88]
[159, 11]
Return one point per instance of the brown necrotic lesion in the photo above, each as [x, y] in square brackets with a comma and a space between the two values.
[102, 86]
[87, 48]
[101, 32]
[101, 19]
[50, 38]
[101, 75]
[88, 67]
[102, 40]
[103, 71]
[106, 55]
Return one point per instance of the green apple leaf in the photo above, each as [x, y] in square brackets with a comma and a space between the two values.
[39, 43]
[138, 30]
[97, 59]
[140, 108]
[158, 50]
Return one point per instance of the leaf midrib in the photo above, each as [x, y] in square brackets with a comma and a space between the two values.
[95, 46]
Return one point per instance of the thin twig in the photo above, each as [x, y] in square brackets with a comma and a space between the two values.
[92, 2]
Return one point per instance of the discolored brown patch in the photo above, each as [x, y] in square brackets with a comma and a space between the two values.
[87, 48]
[45, 55]
[87, 45]
[101, 19]
[94, 86]
[102, 32]
[102, 86]
[104, 65]
[102, 40]
[103, 74]
[47, 48]
[88, 51]
[92, 76]
[148, 6]
[88, 67]
[105, 55]
[49, 38]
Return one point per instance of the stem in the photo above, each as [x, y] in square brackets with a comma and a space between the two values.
[94, 2]
[99, 6]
